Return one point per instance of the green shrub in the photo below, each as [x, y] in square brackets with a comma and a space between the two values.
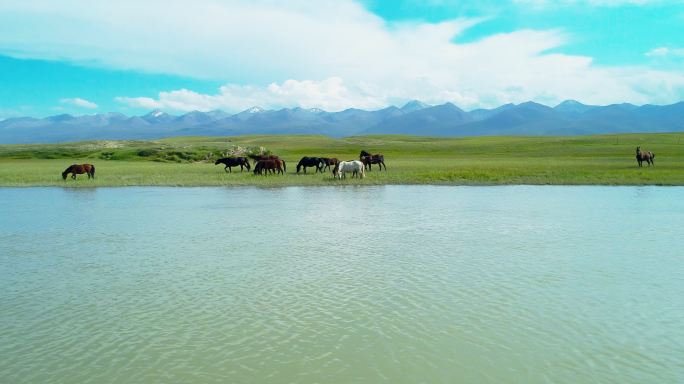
[147, 152]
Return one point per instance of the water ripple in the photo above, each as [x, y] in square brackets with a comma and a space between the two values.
[379, 284]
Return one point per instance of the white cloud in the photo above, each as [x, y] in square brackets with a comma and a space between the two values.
[330, 94]
[77, 101]
[334, 54]
[665, 51]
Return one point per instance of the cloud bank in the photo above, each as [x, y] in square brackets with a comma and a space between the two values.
[328, 54]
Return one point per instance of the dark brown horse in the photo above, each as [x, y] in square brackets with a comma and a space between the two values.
[329, 162]
[307, 162]
[258, 158]
[269, 166]
[646, 156]
[231, 162]
[78, 169]
[367, 159]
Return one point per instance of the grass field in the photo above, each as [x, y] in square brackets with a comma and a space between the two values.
[189, 161]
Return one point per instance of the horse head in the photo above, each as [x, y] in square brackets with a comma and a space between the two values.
[247, 163]
[217, 162]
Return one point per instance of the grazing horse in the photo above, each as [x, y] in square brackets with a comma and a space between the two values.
[257, 158]
[369, 159]
[328, 161]
[231, 162]
[354, 166]
[268, 166]
[310, 162]
[77, 169]
[646, 156]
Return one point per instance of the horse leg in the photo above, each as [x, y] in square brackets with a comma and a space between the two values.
[226, 169]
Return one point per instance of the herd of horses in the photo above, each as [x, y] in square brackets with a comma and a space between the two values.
[271, 164]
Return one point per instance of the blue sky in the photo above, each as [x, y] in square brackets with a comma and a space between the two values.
[82, 58]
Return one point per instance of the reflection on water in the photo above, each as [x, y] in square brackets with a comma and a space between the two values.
[365, 284]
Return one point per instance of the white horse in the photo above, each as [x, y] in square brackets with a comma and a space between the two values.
[354, 166]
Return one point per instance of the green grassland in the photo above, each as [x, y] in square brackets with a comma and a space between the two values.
[189, 161]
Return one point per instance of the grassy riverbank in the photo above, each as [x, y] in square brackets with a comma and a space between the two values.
[188, 161]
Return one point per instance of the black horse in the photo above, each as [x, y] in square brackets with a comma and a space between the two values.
[646, 156]
[231, 162]
[367, 159]
[306, 162]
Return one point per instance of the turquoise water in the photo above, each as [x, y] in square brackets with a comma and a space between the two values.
[399, 284]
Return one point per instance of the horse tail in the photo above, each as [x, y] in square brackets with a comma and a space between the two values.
[92, 171]
[284, 166]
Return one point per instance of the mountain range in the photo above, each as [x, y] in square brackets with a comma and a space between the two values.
[415, 118]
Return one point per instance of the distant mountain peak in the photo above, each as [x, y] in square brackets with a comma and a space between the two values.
[156, 113]
[531, 103]
[573, 107]
[569, 102]
[414, 105]
[254, 109]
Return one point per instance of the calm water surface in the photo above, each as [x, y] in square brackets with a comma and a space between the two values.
[400, 284]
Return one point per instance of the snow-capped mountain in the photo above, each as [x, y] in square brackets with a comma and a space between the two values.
[414, 118]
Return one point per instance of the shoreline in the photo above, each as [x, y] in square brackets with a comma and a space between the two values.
[340, 185]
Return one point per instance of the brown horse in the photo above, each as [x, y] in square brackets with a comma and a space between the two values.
[367, 159]
[646, 156]
[329, 162]
[77, 169]
[268, 166]
[258, 158]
